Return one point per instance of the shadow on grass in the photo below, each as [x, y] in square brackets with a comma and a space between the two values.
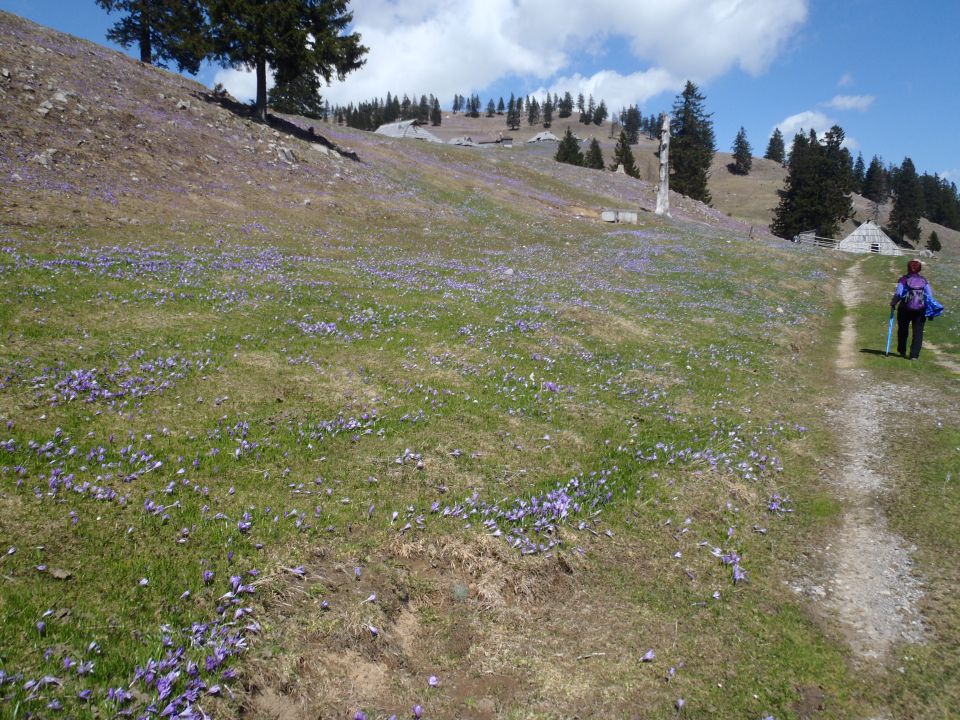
[871, 351]
[245, 110]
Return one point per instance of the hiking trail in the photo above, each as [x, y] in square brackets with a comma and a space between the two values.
[868, 582]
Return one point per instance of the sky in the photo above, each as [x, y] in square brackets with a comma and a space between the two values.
[886, 71]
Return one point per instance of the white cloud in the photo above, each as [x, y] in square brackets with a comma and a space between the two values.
[846, 80]
[807, 120]
[851, 102]
[459, 46]
[242, 84]
[812, 120]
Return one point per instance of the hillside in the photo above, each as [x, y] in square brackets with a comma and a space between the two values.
[308, 422]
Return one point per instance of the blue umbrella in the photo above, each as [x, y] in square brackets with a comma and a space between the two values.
[889, 331]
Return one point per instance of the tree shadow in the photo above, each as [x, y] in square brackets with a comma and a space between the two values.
[288, 127]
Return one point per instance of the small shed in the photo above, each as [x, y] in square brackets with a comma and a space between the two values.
[407, 129]
[869, 238]
[543, 137]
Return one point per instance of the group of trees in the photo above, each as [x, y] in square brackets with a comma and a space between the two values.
[371, 114]
[816, 193]
[301, 40]
[568, 151]
[822, 176]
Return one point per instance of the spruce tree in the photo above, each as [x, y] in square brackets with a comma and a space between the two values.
[691, 145]
[816, 192]
[436, 116]
[742, 160]
[547, 112]
[300, 96]
[533, 112]
[907, 203]
[859, 173]
[500, 106]
[875, 182]
[933, 243]
[165, 30]
[294, 37]
[491, 108]
[594, 156]
[568, 151]
[600, 113]
[565, 106]
[631, 124]
[776, 150]
[622, 155]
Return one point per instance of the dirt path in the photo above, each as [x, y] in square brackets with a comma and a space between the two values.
[869, 585]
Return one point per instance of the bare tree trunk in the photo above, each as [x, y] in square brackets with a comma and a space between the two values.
[663, 194]
[261, 111]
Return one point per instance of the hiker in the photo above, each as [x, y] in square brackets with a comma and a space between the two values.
[915, 298]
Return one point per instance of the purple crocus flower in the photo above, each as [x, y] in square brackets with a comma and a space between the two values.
[417, 712]
[648, 656]
[433, 681]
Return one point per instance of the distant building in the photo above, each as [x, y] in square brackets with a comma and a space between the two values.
[869, 238]
[407, 129]
[543, 137]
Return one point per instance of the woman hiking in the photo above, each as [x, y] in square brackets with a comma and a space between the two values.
[915, 298]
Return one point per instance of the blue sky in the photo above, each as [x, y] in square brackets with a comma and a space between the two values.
[886, 71]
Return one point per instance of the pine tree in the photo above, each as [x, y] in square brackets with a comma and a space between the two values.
[294, 37]
[547, 111]
[622, 155]
[533, 112]
[500, 106]
[875, 182]
[816, 193]
[513, 114]
[580, 103]
[300, 96]
[565, 106]
[691, 145]
[600, 113]
[165, 30]
[491, 108]
[907, 203]
[859, 173]
[742, 160]
[933, 243]
[436, 116]
[776, 150]
[631, 124]
[568, 151]
[423, 109]
[594, 156]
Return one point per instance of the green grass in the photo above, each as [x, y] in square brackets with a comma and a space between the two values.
[680, 363]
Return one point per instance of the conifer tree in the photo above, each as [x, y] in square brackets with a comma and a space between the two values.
[300, 96]
[907, 203]
[568, 151]
[294, 37]
[491, 108]
[436, 116]
[533, 112]
[581, 103]
[691, 145]
[565, 106]
[859, 173]
[742, 160]
[500, 106]
[622, 155]
[816, 193]
[600, 113]
[547, 111]
[632, 120]
[933, 243]
[165, 30]
[776, 150]
[513, 114]
[875, 182]
[594, 156]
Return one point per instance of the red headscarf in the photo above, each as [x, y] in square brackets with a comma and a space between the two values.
[914, 267]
